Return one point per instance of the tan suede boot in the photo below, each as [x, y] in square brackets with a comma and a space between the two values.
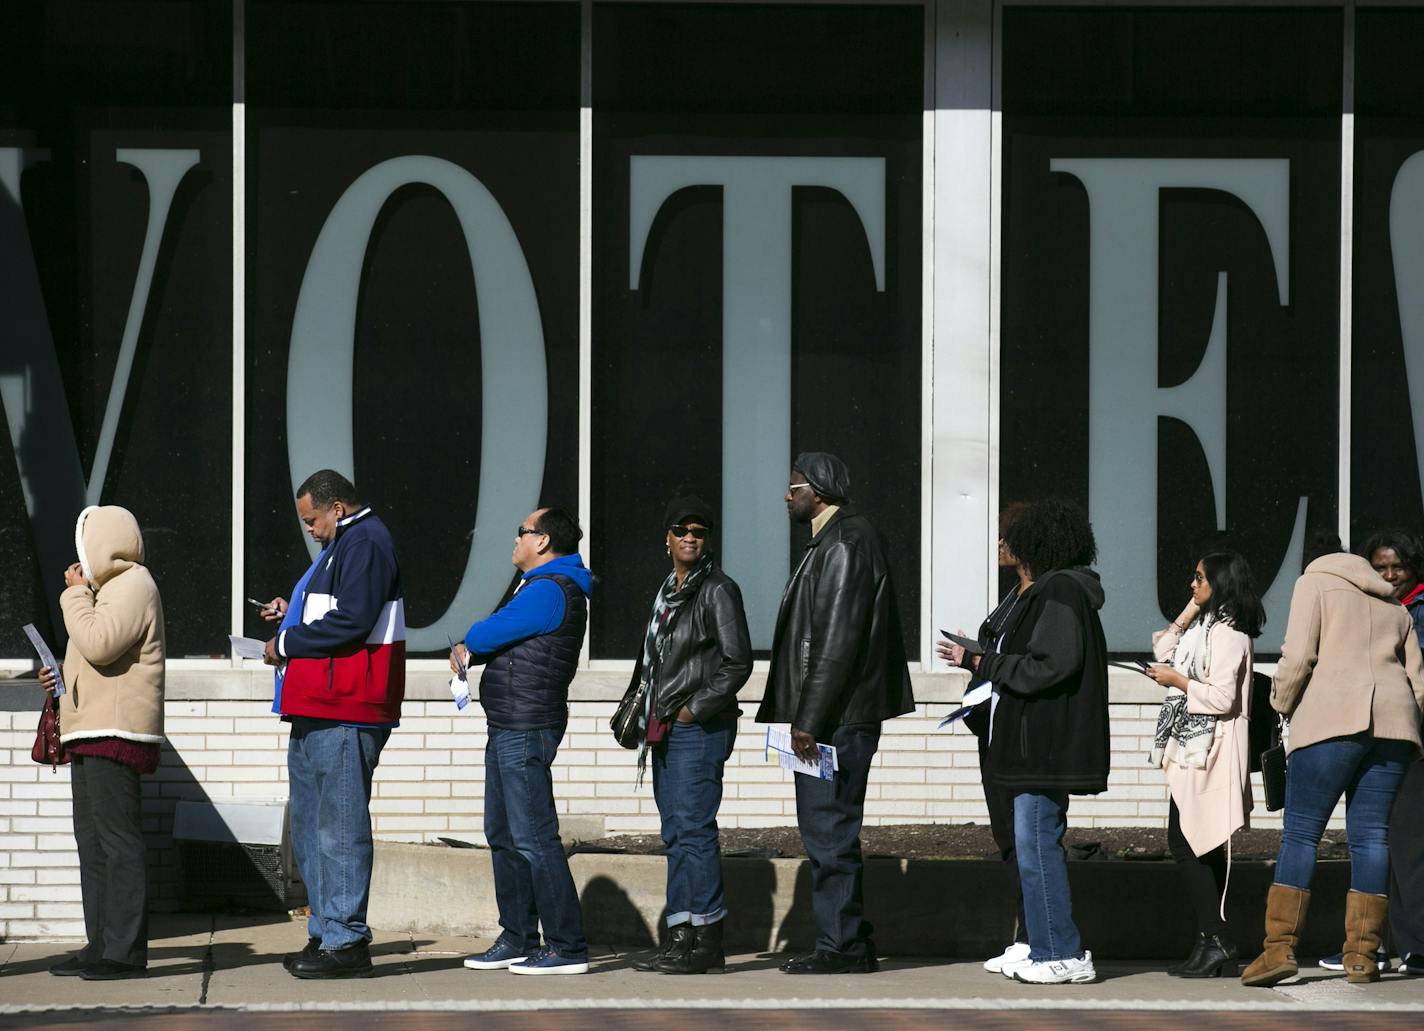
[1285, 915]
[1365, 915]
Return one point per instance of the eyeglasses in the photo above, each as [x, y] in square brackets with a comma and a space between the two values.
[525, 529]
[796, 486]
[698, 532]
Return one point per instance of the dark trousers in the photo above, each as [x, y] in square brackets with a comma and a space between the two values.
[830, 813]
[1203, 877]
[112, 861]
[532, 882]
[1000, 803]
[1406, 864]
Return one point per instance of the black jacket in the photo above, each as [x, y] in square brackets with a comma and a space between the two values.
[838, 655]
[1051, 723]
[708, 654]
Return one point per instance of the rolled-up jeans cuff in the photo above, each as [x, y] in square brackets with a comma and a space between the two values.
[674, 919]
[703, 919]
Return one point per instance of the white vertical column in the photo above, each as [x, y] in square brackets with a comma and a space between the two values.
[965, 342]
[927, 337]
[585, 392]
[1347, 266]
[237, 510]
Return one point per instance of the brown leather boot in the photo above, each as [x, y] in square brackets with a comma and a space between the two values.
[1365, 915]
[1285, 915]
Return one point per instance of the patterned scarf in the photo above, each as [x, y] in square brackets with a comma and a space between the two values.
[1185, 737]
[666, 602]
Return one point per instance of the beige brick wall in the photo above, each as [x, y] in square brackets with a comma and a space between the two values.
[223, 744]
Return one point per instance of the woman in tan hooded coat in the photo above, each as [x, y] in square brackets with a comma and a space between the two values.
[1351, 681]
[111, 717]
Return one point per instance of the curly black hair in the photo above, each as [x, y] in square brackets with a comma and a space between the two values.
[1405, 545]
[1051, 534]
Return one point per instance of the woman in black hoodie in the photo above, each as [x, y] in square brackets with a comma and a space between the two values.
[1049, 734]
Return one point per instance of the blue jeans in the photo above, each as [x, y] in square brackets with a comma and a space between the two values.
[1368, 772]
[532, 882]
[1040, 818]
[687, 784]
[329, 769]
[829, 813]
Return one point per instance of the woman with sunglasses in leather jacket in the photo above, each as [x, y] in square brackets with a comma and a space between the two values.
[696, 654]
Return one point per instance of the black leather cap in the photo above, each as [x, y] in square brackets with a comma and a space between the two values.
[827, 474]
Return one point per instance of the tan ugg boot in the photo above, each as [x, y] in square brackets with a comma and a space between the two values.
[1365, 915]
[1285, 915]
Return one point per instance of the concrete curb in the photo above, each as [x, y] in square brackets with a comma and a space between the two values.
[950, 908]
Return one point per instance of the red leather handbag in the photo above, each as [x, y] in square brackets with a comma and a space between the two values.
[48, 747]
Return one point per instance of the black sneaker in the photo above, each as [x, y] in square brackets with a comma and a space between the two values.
[71, 967]
[352, 961]
[312, 947]
[824, 962]
[111, 970]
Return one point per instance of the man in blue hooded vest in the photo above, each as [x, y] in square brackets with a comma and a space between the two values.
[530, 648]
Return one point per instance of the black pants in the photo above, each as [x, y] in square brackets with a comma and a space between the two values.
[830, 813]
[1000, 803]
[1406, 863]
[113, 875]
[1202, 876]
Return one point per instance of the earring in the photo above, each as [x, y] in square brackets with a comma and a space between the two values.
[668, 548]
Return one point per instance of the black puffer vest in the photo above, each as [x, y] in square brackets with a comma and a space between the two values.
[526, 686]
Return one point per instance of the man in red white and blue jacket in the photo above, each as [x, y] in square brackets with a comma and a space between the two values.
[340, 650]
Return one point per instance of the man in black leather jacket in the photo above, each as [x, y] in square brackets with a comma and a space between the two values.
[837, 670]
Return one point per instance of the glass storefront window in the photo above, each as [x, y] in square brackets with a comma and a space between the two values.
[1170, 307]
[115, 300]
[413, 284]
[757, 252]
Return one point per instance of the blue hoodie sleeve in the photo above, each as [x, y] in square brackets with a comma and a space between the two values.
[538, 608]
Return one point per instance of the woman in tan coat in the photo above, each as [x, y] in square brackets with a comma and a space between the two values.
[1203, 743]
[1351, 680]
[111, 717]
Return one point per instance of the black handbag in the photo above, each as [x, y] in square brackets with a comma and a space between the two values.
[1273, 772]
[627, 720]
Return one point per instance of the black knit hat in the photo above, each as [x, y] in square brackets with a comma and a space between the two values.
[688, 506]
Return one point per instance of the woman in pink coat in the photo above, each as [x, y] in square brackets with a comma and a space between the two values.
[1203, 743]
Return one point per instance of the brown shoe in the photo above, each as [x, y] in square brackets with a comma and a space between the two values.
[1285, 915]
[1365, 915]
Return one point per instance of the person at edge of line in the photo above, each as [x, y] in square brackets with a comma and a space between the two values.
[111, 724]
[838, 670]
[1351, 683]
[1049, 736]
[340, 681]
[530, 648]
[1398, 556]
[696, 655]
[997, 799]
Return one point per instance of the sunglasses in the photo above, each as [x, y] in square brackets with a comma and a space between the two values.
[525, 529]
[698, 532]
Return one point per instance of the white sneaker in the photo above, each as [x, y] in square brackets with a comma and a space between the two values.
[1010, 967]
[1015, 953]
[1058, 971]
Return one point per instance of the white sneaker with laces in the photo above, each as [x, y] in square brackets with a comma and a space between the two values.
[1058, 971]
[1015, 953]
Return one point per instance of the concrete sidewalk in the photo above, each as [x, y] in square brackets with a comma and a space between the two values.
[234, 963]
